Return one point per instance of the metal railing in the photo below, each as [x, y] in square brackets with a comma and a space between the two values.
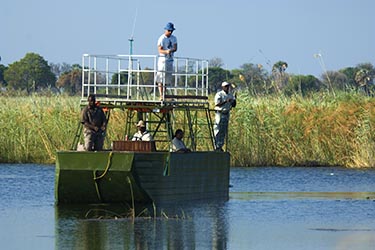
[133, 78]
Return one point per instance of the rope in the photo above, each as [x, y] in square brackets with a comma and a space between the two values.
[109, 161]
[166, 171]
[132, 195]
[97, 189]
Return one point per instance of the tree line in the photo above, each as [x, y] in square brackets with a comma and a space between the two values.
[33, 74]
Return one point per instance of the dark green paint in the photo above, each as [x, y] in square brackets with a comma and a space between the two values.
[157, 176]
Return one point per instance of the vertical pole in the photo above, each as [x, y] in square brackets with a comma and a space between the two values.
[83, 77]
[130, 66]
[131, 40]
[95, 76]
[88, 76]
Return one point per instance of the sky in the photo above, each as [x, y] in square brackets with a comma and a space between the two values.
[236, 31]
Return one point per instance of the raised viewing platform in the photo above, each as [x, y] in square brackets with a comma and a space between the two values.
[130, 81]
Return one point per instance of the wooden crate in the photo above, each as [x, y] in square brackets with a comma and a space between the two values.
[139, 146]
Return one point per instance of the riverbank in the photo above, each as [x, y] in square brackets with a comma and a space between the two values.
[322, 130]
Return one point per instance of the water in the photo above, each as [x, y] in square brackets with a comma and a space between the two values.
[269, 208]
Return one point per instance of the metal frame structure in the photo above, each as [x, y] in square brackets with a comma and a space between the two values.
[128, 82]
[133, 77]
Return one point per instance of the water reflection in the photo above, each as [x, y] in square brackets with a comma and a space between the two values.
[202, 226]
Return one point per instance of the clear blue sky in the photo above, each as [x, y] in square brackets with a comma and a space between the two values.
[237, 31]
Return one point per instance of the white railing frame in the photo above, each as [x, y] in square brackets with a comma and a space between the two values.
[97, 78]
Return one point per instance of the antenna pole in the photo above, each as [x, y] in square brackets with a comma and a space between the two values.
[131, 37]
[131, 40]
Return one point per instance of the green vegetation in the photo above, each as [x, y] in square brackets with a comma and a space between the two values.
[34, 74]
[29, 74]
[322, 129]
[281, 119]
[33, 128]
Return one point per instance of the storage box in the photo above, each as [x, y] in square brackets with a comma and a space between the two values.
[141, 146]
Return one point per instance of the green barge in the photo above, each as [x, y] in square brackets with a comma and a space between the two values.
[160, 177]
[138, 171]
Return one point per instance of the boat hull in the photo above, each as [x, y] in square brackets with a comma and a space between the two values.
[140, 177]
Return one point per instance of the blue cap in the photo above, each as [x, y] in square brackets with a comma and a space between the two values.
[169, 26]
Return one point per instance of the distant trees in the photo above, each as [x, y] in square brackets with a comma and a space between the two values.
[303, 85]
[335, 79]
[216, 75]
[30, 74]
[70, 81]
[280, 78]
[59, 68]
[365, 75]
[2, 80]
[258, 81]
[279, 67]
[216, 63]
[253, 78]
[349, 72]
[33, 73]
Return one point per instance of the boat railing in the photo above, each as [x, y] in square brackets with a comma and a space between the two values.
[132, 78]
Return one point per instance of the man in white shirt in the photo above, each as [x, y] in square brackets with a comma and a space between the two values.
[142, 134]
[177, 144]
[167, 45]
[224, 101]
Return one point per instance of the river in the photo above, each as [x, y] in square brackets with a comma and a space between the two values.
[269, 208]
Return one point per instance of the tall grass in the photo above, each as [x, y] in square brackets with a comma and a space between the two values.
[276, 130]
[319, 130]
[33, 128]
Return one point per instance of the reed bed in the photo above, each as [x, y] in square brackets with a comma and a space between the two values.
[33, 128]
[322, 130]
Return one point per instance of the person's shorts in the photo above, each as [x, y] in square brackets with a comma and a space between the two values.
[165, 69]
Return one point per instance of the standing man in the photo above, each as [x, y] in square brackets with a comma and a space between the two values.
[224, 101]
[167, 45]
[94, 124]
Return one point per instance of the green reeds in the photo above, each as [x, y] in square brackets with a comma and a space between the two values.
[287, 131]
[320, 130]
[32, 128]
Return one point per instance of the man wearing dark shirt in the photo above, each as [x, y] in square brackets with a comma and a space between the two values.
[94, 124]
